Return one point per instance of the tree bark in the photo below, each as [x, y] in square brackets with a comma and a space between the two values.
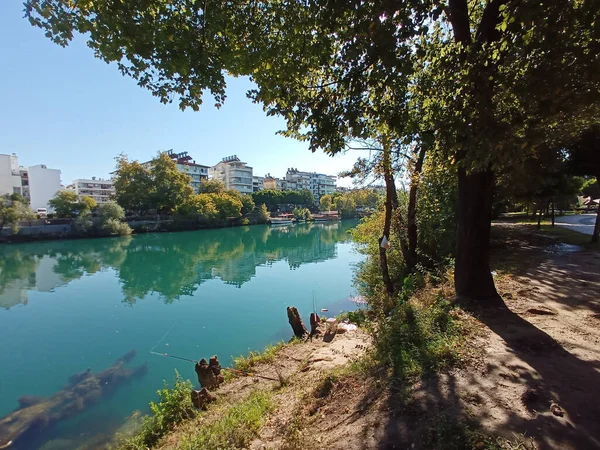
[596, 233]
[412, 231]
[539, 224]
[552, 212]
[383, 263]
[472, 278]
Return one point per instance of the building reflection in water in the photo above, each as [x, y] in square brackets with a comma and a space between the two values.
[172, 265]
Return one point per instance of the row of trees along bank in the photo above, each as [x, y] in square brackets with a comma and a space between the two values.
[447, 96]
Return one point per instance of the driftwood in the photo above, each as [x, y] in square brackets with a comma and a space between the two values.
[84, 389]
[296, 322]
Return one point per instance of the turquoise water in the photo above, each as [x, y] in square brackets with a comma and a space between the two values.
[72, 305]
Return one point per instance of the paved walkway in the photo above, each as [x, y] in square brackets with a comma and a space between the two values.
[583, 223]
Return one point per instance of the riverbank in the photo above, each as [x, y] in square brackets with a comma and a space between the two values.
[524, 378]
[63, 229]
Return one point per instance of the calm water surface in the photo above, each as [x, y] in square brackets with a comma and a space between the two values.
[72, 305]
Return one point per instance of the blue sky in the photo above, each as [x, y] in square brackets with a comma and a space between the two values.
[64, 108]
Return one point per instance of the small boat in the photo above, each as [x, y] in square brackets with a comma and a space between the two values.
[281, 221]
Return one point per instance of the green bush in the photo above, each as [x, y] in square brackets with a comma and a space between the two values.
[302, 214]
[83, 224]
[114, 227]
[263, 214]
[173, 407]
[245, 221]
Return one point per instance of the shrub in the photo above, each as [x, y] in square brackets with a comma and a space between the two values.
[114, 227]
[263, 214]
[302, 213]
[174, 406]
[245, 221]
[111, 210]
[82, 224]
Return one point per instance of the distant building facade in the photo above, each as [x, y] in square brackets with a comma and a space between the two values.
[185, 164]
[318, 183]
[234, 174]
[44, 183]
[10, 176]
[100, 190]
[258, 183]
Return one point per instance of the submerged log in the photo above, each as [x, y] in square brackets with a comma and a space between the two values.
[296, 322]
[85, 389]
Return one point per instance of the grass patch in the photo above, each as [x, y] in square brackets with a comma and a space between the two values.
[235, 428]
[246, 362]
[421, 336]
[173, 407]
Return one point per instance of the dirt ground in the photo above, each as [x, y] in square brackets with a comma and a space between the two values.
[536, 379]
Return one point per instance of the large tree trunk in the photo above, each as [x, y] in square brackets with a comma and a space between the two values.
[473, 279]
[596, 233]
[411, 229]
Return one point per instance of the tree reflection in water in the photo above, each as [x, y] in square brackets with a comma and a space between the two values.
[171, 264]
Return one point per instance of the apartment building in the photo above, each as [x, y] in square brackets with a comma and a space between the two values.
[318, 183]
[234, 174]
[185, 164]
[44, 183]
[10, 176]
[258, 183]
[99, 189]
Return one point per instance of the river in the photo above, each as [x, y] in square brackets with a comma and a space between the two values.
[68, 306]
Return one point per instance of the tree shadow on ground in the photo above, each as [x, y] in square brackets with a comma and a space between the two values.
[539, 377]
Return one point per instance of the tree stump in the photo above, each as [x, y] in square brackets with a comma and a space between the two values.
[315, 323]
[209, 374]
[296, 322]
[202, 398]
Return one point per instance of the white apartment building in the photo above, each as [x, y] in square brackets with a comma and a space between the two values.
[258, 183]
[10, 176]
[319, 184]
[185, 164]
[100, 190]
[234, 173]
[44, 183]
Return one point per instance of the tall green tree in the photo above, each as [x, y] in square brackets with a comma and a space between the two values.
[170, 187]
[499, 76]
[68, 204]
[213, 186]
[13, 208]
[133, 185]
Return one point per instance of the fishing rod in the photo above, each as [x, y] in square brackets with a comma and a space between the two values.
[247, 374]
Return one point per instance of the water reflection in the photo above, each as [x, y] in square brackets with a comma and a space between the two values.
[170, 265]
